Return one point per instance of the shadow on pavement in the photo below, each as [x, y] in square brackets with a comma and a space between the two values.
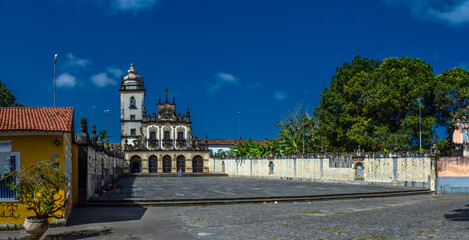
[459, 214]
[78, 234]
[105, 214]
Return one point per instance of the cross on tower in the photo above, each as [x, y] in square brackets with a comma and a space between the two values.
[166, 100]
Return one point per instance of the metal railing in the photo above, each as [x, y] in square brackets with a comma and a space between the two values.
[6, 194]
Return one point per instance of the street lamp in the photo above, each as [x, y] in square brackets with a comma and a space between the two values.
[106, 112]
[239, 125]
[92, 115]
[55, 61]
[420, 121]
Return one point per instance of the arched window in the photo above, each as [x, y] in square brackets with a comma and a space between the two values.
[271, 167]
[153, 164]
[181, 163]
[135, 164]
[223, 166]
[167, 164]
[198, 164]
[132, 102]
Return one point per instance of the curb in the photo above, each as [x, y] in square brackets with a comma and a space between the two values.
[245, 200]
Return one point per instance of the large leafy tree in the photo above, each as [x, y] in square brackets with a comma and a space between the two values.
[341, 105]
[451, 101]
[6, 97]
[376, 104]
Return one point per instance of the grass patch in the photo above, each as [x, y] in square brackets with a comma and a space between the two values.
[336, 229]
[198, 219]
[424, 232]
[296, 218]
[200, 206]
[286, 224]
[314, 212]
[378, 237]
[438, 197]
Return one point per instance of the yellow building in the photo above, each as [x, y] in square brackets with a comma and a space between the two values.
[30, 135]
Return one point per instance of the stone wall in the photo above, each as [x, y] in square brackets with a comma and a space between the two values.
[98, 165]
[396, 169]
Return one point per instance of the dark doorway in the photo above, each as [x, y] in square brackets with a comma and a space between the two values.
[198, 164]
[166, 164]
[153, 164]
[181, 163]
[135, 164]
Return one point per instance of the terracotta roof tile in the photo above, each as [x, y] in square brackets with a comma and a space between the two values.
[36, 119]
[226, 141]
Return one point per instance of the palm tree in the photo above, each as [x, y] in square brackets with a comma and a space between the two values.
[102, 135]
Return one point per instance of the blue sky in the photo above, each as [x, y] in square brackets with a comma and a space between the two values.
[260, 58]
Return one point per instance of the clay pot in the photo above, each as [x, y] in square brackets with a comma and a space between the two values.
[36, 227]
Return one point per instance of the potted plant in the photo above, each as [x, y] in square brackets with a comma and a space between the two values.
[42, 188]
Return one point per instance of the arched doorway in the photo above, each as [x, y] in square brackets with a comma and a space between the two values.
[198, 164]
[153, 164]
[135, 164]
[359, 171]
[181, 163]
[167, 164]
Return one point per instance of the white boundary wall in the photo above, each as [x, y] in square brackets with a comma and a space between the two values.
[384, 169]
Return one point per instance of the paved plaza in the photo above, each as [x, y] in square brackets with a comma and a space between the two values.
[409, 217]
[405, 217]
[227, 187]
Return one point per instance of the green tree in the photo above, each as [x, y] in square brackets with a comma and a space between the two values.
[6, 97]
[375, 104]
[341, 105]
[451, 101]
[103, 136]
[298, 132]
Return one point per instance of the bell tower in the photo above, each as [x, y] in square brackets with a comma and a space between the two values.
[132, 94]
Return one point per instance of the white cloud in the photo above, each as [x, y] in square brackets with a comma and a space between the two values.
[66, 80]
[458, 15]
[116, 72]
[102, 80]
[107, 77]
[71, 61]
[280, 95]
[132, 5]
[223, 79]
[453, 12]
[227, 78]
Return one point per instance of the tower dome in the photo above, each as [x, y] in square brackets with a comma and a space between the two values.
[132, 80]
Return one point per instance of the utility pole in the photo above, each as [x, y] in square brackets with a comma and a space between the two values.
[420, 121]
[92, 116]
[55, 61]
[303, 132]
[239, 125]
[106, 112]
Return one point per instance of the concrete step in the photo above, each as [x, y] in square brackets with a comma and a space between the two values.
[175, 175]
[244, 200]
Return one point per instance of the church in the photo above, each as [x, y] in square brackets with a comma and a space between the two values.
[161, 142]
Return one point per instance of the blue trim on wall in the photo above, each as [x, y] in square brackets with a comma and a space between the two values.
[453, 185]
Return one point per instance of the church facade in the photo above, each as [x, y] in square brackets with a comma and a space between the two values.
[161, 142]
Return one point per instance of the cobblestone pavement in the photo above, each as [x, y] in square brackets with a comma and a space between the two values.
[410, 217]
[216, 187]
